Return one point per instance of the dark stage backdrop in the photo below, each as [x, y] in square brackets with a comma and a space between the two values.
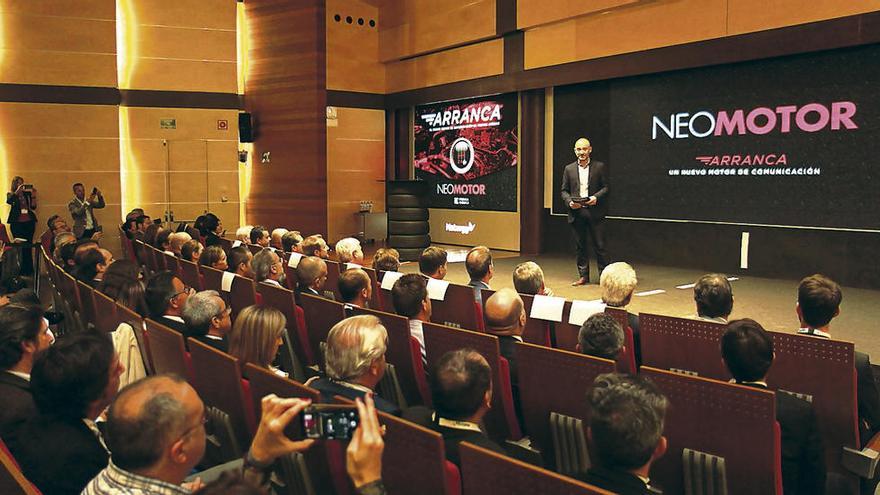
[467, 150]
[781, 142]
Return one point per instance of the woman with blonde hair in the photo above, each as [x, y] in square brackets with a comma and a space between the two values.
[256, 336]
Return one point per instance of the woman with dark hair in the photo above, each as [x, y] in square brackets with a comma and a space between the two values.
[212, 229]
[22, 218]
[151, 233]
[214, 257]
[191, 250]
[118, 274]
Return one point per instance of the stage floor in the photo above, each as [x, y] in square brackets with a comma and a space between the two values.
[771, 302]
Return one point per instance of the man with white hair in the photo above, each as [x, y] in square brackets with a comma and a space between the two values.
[618, 282]
[176, 240]
[243, 233]
[354, 361]
[208, 319]
[268, 268]
[277, 234]
[349, 251]
[528, 278]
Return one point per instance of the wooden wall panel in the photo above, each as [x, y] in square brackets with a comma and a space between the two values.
[355, 168]
[459, 64]
[286, 94]
[746, 16]
[414, 27]
[532, 14]
[202, 14]
[353, 49]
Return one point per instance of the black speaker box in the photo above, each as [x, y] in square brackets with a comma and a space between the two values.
[245, 128]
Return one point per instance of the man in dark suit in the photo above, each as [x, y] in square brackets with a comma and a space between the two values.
[747, 351]
[311, 274]
[23, 333]
[84, 222]
[819, 300]
[480, 269]
[73, 381]
[166, 295]
[208, 319]
[585, 192]
[506, 318]
[626, 433]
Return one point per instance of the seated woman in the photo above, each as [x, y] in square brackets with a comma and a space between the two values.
[256, 336]
[214, 257]
[122, 284]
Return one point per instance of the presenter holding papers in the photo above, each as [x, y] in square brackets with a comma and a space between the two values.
[585, 191]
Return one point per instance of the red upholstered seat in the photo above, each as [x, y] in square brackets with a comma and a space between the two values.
[320, 314]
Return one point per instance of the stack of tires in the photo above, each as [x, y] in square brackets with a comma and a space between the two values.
[408, 229]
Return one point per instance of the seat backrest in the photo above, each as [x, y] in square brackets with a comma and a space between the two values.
[125, 315]
[537, 331]
[254, 248]
[410, 370]
[283, 300]
[414, 460]
[167, 349]
[172, 263]
[501, 422]
[672, 343]
[105, 313]
[332, 283]
[456, 309]
[87, 301]
[486, 472]
[553, 380]
[189, 274]
[159, 258]
[566, 334]
[242, 295]
[824, 369]
[217, 379]
[321, 314]
[731, 421]
[626, 361]
[12, 480]
[212, 279]
[376, 299]
[264, 382]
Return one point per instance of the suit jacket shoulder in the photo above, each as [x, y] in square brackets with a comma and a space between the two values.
[868, 397]
[16, 402]
[329, 389]
[620, 482]
[803, 460]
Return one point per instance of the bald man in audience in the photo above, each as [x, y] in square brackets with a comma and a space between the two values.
[356, 289]
[528, 278]
[432, 262]
[277, 236]
[506, 319]
[311, 274]
[480, 269]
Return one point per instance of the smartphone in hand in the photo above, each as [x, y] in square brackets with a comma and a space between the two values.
[330, 422]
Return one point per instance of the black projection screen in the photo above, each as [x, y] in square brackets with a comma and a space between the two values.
[787, 142]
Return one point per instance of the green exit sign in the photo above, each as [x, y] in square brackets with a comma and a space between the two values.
[168, 123]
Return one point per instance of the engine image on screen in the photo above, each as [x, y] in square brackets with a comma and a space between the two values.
[468, 151]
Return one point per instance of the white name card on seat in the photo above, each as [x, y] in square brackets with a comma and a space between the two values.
[236, 243]
[547, 308]
[226, 283]
[437, 289]
[581, 310]
[293, 262]
[389, 278]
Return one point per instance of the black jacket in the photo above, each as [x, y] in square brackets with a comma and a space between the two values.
[16, 402]
[329, 389]
[598, 187]
[421, 415]
[621, 482]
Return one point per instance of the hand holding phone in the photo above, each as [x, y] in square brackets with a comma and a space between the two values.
[330, 422]
[270, 441]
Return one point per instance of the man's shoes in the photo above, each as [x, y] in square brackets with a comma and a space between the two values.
[580, 281]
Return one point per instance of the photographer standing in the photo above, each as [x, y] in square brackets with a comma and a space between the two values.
[85, 225]
[22, 218]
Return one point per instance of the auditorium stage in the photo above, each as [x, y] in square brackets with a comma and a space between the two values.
[769, 301]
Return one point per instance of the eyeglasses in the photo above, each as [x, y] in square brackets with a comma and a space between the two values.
[186, 290]
[202, 422]
[223, 314]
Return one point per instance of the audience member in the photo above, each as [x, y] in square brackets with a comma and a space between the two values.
[290, 242]
[409, 294]
[85, 224]
[626, 433]
[60, 240]
[214, 257]
[601, 336]
[277, 236]
[528, 278]
[355, 362]
[67, 256]
[432, 262]
[506, 319]
[57, 225]
[349, 250]
[142, 223]
[22, 219]
[240, 259]
[386, 260]
[259, 235]
[747, 351]
[256, 336]
[23, 333]
[163, 241]
[480, 269]
[151, 233]
[311, 274]
[315, 245]
[618, 282]
[176, 241]
[116, 274]
[191, 250]
[130, 293]
[819, 300]
[92, 265]
[461, 392]
[268, 268]
[208, 319]
[212, 230]
[714, 297]
[166, 295]
[356, 288]
[73, 381]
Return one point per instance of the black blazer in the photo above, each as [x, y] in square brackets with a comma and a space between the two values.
[16, 402]
[423, 416]
[172, 324]
[598, 187]
[869, 399]
[621, 482]
[15, 209]
[329, 389]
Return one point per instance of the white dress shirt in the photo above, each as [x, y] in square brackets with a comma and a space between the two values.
[584, 180]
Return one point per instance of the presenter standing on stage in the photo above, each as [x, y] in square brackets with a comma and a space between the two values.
[585, 192]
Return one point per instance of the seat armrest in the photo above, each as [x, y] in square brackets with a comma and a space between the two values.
[863, 462]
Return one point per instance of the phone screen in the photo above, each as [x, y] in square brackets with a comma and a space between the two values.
[330, 424]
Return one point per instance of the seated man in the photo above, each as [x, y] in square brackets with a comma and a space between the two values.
[601, 336]
[714, 298]
[259, 235]
[747, 351]
[349, 250]
[92, 265]
[528, 278]
[177, 240]
[432, 262]
[23, 333]
[277, 236]
[240, 259]
[166, 295]
[386, 260]
[506, 319]
[243, 233]
[163, 241]
[291, 242]
[311, 274]
[268, 268]
[618, 282]
[73, 381]
[355, 361]
[356, 288]
[461, 392]
[208, 319]
[819, 300]
[409, 294]
[480, 269]
[315, 245]
[625, 433]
